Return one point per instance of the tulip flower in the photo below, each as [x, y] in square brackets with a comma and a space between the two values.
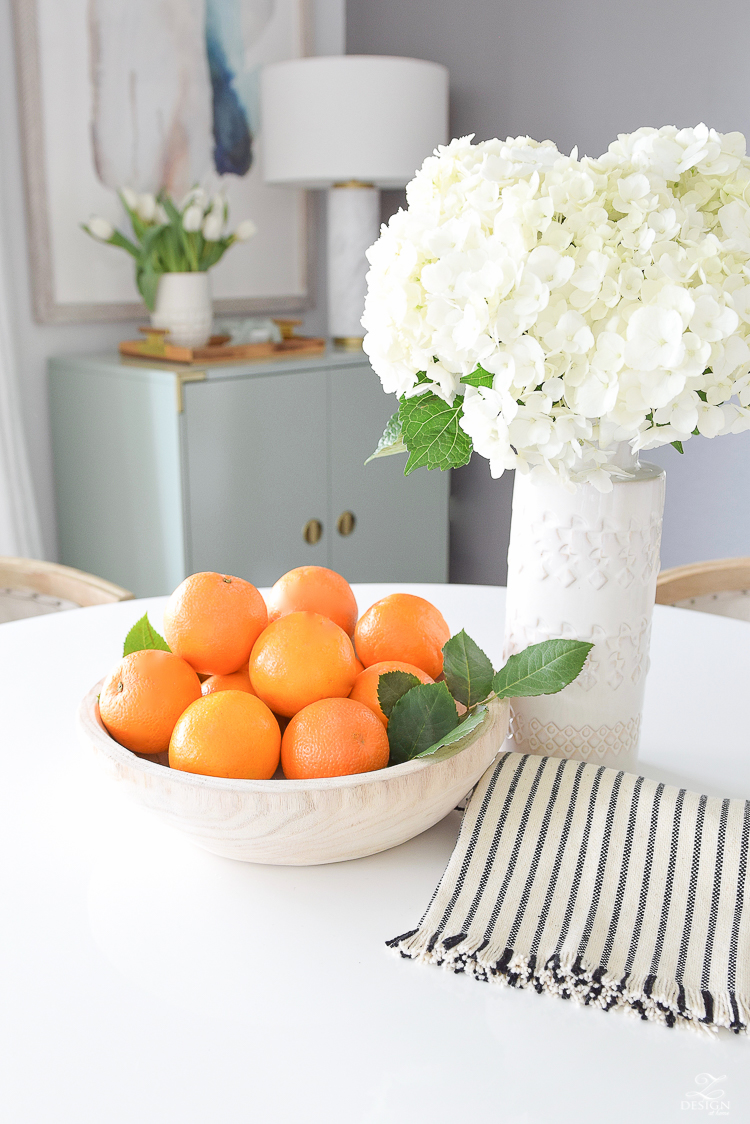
[100, 229]
[192, 219]
[146, 207]
[212, 226]
[245, 230]
[196, 195]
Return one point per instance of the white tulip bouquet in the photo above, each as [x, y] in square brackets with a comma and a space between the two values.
[542, 309]
[168, 238]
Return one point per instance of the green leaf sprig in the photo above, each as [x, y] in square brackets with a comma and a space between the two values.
[143, 635]
[423, 720]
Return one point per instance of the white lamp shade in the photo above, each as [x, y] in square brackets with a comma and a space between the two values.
[371, 118]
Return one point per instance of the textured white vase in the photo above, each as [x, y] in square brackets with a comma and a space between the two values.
[583, 565]
[183, 307]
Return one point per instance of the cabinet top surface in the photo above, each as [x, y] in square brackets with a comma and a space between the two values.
[109, 363]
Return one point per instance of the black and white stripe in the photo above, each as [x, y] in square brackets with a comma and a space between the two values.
[600, 886]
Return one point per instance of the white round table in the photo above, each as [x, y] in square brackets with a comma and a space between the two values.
[144, 981]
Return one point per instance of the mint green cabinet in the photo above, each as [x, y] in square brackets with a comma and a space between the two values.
[161, 471]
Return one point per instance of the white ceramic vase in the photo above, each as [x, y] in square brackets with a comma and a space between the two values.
[183, 307]
[583, 565]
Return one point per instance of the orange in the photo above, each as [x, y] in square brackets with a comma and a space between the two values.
[365, 689]
[405, 628]
[213, 620]
[143, 697]
[317, 590]
[235, 681]
[333, 738]
[299, 659]
[227, 734]
[359, 665]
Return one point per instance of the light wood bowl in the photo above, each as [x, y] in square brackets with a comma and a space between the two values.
[301, 823]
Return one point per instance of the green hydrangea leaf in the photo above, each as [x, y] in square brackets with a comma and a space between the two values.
[678, 445]
[391, 686]
[431, 433]
[391, 441]
[480, 377]
[419, 720]
[468, 671]
[541, 669]
[141, 636]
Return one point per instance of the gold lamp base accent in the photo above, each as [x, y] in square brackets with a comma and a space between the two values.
[348, 343]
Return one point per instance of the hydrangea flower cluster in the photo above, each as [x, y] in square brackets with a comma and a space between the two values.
[560, 306]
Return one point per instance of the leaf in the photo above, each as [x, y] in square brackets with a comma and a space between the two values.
[419, 719]
[677, 445]
[468, 671]
[172, 213]
[124, 243]
[450, 743]
[541, 669]
[391, 441]
[141, 636]
[391, 686]
[432, 434]
[480, 377]
[147, 281]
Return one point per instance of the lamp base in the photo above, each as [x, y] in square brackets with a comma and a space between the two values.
[353, 226]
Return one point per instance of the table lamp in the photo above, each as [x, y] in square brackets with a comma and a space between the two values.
[352, 124]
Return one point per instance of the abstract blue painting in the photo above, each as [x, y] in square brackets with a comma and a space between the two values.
[174, 89]
[149, 94]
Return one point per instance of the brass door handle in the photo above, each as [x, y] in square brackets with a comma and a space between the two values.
[347, 521]
[312, 531]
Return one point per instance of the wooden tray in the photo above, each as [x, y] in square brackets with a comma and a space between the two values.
[218, 349]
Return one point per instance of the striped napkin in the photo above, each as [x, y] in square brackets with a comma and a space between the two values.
[598, 886]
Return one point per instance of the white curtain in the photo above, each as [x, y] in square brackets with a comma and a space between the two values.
[19, 521]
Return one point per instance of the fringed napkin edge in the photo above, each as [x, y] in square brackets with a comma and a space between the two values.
[654, 998]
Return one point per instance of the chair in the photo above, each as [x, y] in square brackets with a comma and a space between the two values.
[721, 587]
[30, 588]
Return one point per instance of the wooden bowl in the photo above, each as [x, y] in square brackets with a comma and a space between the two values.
[301, 823]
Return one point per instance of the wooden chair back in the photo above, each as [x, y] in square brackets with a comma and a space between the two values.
[63, 582]
[721, 586]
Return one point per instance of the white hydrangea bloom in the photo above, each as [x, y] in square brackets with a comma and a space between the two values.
[607, 299]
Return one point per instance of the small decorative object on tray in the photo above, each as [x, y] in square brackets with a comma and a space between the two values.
[220, 349]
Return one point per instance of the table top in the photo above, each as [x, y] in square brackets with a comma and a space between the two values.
[144, 980]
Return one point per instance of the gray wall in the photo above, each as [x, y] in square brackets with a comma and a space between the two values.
[34, 343]
[579, 72]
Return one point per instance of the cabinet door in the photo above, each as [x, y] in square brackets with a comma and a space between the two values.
[256, 471]
[401, 523]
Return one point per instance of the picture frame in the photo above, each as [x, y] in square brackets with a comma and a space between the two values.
[75, 279]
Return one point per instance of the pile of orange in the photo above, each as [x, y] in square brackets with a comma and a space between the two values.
[240, 670]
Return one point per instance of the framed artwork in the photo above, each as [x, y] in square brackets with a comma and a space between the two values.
[145, 94]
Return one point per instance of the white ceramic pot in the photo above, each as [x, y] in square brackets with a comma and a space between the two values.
[183, 306]
[583, 565]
